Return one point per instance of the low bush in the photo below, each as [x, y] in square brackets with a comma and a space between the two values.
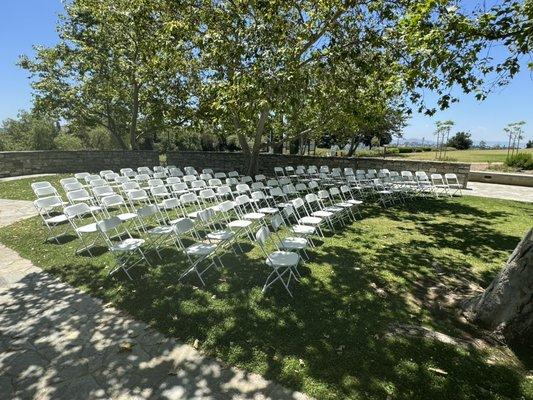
[520, 160]
[409, 149]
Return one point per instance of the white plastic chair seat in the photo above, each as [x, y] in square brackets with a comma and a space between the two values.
[200, 249]
[95, 208]
[254, 215]
[220, 235]
[344, 205]
[294, 243]
[303, 229]
[384, 192]
[283, 259]
[310, 220]
[268, 210]
[57, 219]
[161, 230]
[84, 199]
[354, 202]
[239, 223]
[89, 228]
[442, 186]
[126, 216]
[333, 209]
[322, 214]
[175, 221]
[129, 244]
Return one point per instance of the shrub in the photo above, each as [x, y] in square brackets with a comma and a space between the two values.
[520, 160]
[65, 141]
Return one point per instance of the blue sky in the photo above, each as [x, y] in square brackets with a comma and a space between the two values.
[24, 23]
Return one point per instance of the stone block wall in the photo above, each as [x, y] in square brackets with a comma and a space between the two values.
[227, 161]
[15, 163]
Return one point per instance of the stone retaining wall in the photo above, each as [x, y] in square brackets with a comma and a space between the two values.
[502, 178]
[225, 161]
[15, 163]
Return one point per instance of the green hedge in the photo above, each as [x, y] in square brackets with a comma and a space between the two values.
[520, 160]
[408, 149]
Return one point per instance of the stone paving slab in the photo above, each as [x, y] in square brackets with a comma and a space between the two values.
[506, 192]
[57, 342]
[15, 210]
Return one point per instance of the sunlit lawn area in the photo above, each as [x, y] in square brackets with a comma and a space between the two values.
[338, 337]
[20, 189]
[469, 156]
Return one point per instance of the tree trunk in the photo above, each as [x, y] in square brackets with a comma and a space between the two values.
[506, 306]
[134, 116]
[354, 142]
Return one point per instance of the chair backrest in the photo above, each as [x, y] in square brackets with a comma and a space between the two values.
[142, 177]
[451, 179]
[348, 171]
[183, 226]
[278, 171]
[260, 177]
[98, 182]
[102, 191]
[207, 171]
[324, 169]
[206, 215]
[272, 182]
[421, 176]
[169, 204]
[241, 200]
[126, 186]
[198, 184]
[76, 210]
[144, 170]
[312, 185]
[137, 195]
[90, 178]
[81, 175]
[334, 191]
[242, 188]
[276, 192]
[178, 187]
[176, 172]
[155, 182]
[276, 221]
[311, 198]
[105, 172]
[214, 182]
[222, 190]
[45, 191]
[189, 178]
[258, 186]
[78, 194]
[64, 181]
[323, 194]
[297, 203]
[39, 185]
[232, 181]
[48, 202]
[173, 179]
[258, 195]
[188, 198]
[262, 235]
[289, 189]
[111, 176]
[159, 190]
[226, 206]
[207, 194]
[284, 181]
[220, 175]
[205, 177]
[147, 211]
[107, 224]
[233, 174]
[160, 175]
[301, 187]
[246, 179]
[113, 200]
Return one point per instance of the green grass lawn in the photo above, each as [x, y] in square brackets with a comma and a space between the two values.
[20, 189]
[470, 156]
[336, 339]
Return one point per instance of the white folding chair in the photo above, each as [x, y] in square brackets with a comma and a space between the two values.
[124, 250]
[47, 208]
[453, 184]
[283, 263]
[437, 180]
[78, 214]
[197, 253]
[83, 196]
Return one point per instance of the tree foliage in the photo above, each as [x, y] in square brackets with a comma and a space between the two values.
[274, 69]
[460, 141]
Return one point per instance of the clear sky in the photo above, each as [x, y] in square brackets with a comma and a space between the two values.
[24, 23]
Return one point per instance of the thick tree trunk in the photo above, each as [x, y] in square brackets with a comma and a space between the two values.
[506, 306]
[354, 142]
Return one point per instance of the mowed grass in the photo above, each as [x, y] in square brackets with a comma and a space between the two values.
[336, 339]
[469, 156]
[20, 189]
